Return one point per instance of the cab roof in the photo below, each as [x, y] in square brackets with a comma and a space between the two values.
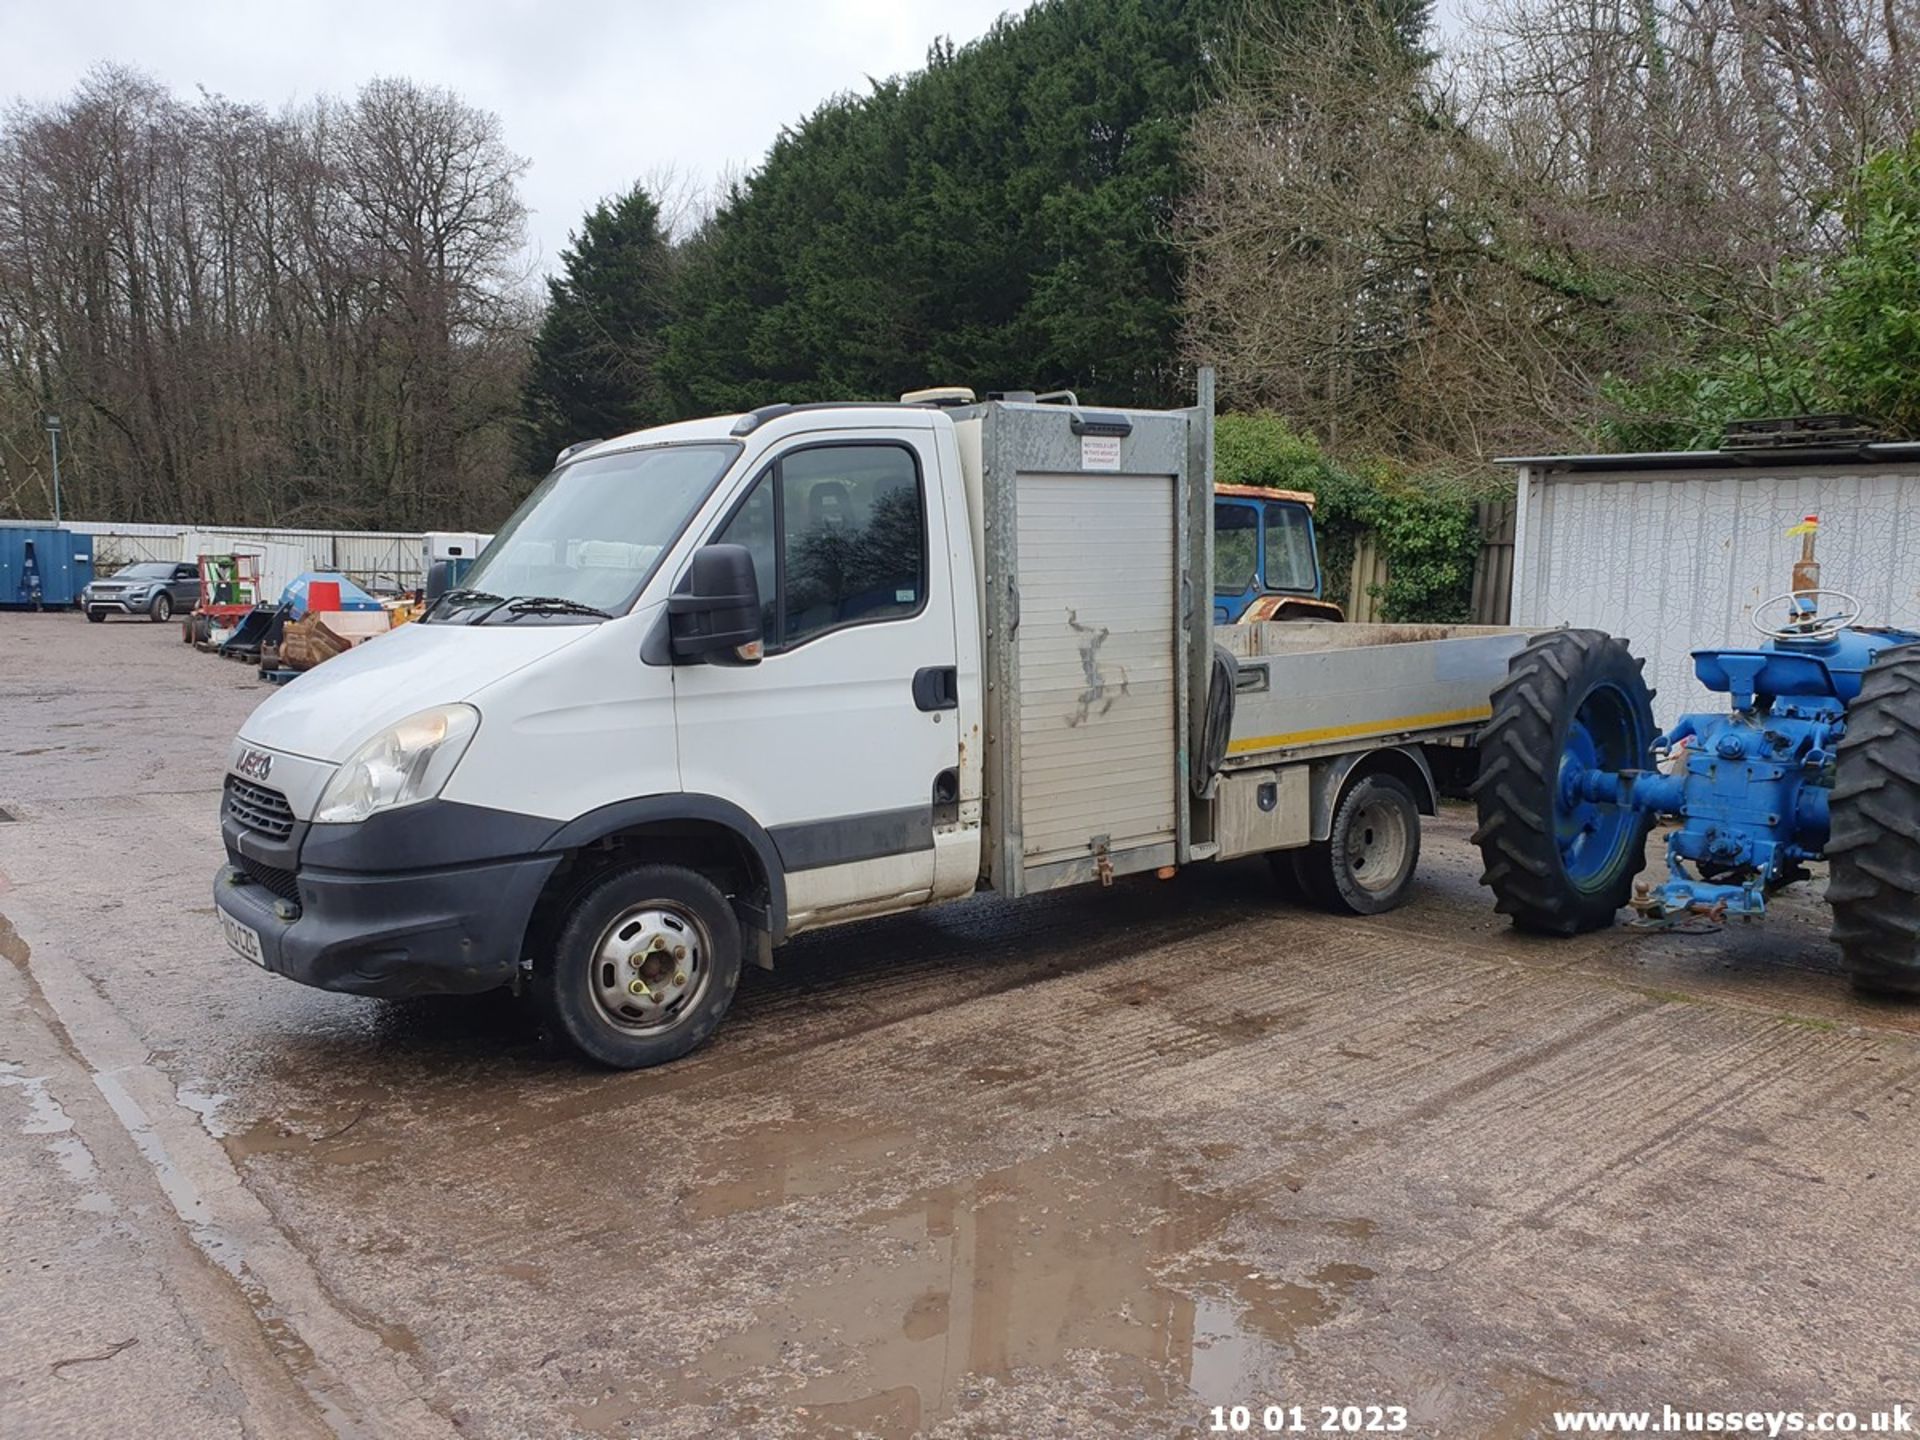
[740, 425]
[1265, 492]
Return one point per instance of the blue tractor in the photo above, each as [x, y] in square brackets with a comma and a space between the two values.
[1266, 565]
[1817, 757]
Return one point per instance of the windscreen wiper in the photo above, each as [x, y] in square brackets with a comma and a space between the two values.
[549, 605]
[477, 597]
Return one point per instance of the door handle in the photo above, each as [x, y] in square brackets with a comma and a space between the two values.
[936, 687]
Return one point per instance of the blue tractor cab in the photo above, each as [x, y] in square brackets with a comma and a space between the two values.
[1266, 565]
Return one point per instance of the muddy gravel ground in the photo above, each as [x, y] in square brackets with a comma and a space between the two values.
[1085, 1166]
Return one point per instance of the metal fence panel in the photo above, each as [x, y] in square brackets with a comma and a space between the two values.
[373, 558]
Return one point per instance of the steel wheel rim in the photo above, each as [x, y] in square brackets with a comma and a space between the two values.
[659, 947]
[1590, 834]
[1377, 845]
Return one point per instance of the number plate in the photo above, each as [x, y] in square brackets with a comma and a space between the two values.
[244, 939]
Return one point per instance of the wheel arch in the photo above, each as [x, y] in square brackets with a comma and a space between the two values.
[1331, 779]
[685, 829]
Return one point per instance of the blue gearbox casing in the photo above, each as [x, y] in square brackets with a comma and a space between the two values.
[1752, 794]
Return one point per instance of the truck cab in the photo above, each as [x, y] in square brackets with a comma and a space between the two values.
[1266, 560]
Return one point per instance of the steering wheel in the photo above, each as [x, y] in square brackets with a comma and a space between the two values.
[1818, 625]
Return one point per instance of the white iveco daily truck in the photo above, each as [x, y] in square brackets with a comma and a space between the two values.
[722, 682]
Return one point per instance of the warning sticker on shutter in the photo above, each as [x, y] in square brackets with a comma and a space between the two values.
[1099, 452]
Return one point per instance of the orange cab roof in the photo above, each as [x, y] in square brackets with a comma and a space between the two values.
[1264, 492]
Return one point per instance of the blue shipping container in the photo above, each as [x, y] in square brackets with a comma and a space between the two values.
[42, 567]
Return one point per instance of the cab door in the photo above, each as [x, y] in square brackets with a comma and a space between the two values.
[842, 740]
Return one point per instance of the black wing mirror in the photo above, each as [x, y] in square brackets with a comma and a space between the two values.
[715, 614]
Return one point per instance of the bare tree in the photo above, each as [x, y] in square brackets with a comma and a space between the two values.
[311, 317]
[1449, 259]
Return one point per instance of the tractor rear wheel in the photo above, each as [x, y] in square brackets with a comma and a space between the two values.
[1874, 843]
[1556, 862]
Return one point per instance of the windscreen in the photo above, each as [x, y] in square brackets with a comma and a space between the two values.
[1236, 546]
[592, 532]
[146, 570]
[1289, 548]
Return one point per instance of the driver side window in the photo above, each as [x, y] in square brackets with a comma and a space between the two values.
[838, 535]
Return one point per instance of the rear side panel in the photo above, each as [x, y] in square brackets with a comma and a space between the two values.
[1309, 689]
[1089, 552]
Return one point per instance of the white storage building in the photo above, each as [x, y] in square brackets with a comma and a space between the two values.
[1672, 551]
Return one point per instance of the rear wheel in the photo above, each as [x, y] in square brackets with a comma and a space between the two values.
[1366, 864]
[1874, 847]
[1557, 863]
[161, 610]
[643, 968]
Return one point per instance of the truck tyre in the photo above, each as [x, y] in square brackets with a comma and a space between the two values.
[1556, 863]
[1874, 842]
[161, 610]
[1365, 865]
[97, 617]
[643, 968]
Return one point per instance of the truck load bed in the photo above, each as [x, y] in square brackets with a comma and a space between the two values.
[1309, 688]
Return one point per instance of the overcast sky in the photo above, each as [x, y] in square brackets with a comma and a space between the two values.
[594, 95]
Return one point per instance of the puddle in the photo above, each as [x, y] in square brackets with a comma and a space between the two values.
[342, 1133]
[799, 1158]
[46, 1116]
[1050, 1263]
[226, 1251]
[206, 1104]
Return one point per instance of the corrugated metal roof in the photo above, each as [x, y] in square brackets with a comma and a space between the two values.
[1902, 452]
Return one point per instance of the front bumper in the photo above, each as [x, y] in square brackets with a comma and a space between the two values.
[117, 602]
[412, 906]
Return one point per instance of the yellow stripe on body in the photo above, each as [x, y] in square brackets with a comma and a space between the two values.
[1365, 727]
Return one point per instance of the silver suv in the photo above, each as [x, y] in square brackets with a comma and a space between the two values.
[154, 588]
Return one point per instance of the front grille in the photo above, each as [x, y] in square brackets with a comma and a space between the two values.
[280, 882]
[263, 811]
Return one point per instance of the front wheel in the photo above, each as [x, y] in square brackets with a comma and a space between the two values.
[643, 968]
[161, 610]
[1365, 866]
[97, 617]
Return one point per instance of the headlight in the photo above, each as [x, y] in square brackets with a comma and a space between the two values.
[403, 764]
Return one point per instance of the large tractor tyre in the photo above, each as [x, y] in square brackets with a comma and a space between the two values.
[1874, 842]
[643, 968]
[1559, 864]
